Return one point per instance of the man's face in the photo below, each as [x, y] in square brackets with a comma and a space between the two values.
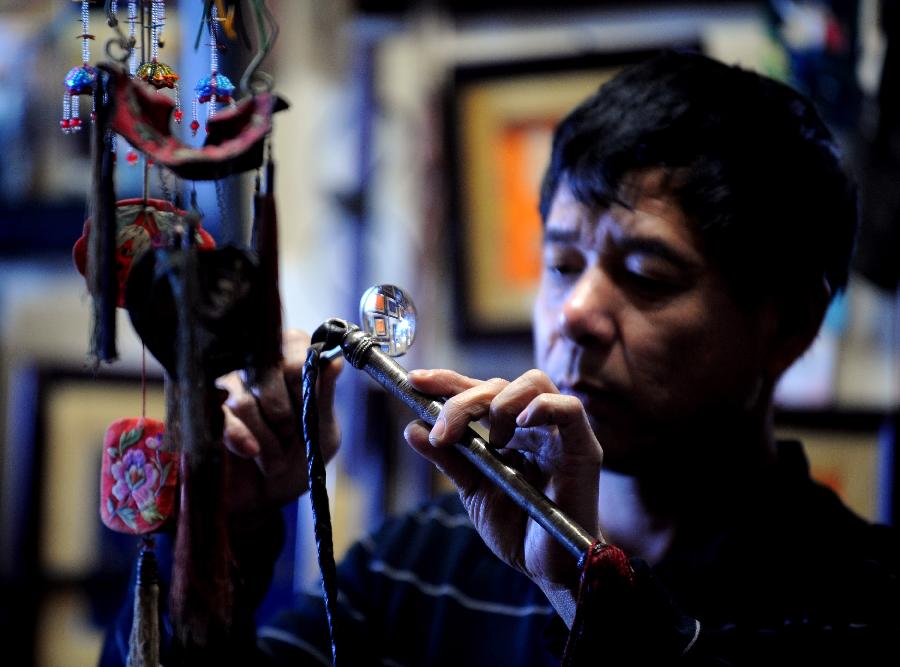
[632, 318]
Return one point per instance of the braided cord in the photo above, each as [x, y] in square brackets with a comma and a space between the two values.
[318, 493]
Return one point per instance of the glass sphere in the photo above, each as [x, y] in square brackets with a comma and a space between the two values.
[388, 315]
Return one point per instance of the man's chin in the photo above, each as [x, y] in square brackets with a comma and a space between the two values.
[634, 455]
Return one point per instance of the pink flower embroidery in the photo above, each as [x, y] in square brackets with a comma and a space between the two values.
[135, 478]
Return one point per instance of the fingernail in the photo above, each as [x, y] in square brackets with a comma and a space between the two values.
[437, 431]
[522, 418]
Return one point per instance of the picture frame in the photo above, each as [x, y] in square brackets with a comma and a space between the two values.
[500, 120]
[71, 569]
[852, 452]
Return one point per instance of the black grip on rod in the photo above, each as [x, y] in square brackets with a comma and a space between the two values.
[364, 354]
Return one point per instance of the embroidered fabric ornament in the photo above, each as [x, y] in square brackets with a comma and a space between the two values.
[140, 225]
[234, 140]
[139, 476]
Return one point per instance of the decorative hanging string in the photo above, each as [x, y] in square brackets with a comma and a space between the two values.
[318, 494]
[132, 34]
[79, 80]
[216, 88]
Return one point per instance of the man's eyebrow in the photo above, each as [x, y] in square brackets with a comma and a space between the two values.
[652, 246]
[625, 245]
[559, 235]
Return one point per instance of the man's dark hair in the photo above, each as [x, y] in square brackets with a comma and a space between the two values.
[748, 159]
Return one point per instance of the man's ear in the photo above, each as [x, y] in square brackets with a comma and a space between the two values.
[797, 318]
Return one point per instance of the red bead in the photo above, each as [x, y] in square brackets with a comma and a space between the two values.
[76, 122]
[93, 115]
[132, 157]
[179, 114]
[65, 124]
[195, 125]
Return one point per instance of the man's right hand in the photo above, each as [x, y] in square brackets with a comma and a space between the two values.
[263, 432]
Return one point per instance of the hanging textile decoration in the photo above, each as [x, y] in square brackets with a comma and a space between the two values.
[267, 353]
[139, 476]
[216, 88]
[100, 269]
[198, 313]
[80, 80]
[234, 141]
[201, 311]
[138, 483]
[227, 308]
[140, 225]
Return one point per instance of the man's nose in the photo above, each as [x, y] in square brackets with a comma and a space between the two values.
[588, 313]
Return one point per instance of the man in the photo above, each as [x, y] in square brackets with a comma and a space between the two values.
[697, 223]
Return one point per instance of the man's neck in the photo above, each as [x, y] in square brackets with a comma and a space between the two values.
[644, 513]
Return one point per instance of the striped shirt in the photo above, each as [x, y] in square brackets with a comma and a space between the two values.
[788, 575]
[422, 590]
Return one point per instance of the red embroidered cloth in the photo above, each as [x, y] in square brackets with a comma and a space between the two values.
[139, 225]
[139, 476]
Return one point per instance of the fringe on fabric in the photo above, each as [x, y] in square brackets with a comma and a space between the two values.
[318, 495]
[102, 282]
[143, 645]
[604, 590]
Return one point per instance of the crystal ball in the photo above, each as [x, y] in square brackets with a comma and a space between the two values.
[388, 315]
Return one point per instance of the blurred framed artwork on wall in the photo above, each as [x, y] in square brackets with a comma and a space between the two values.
[500, 121]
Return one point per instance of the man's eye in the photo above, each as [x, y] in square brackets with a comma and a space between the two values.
[649, 285]
[562, 270]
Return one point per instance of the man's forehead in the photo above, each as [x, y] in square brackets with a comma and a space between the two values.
[652, 218]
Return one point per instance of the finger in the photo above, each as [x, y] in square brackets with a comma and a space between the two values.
[275, 404]
[576, 438]
[246, 407]
[237, 437]
[449, 461]
[509, 403]
[462, 409]
[441, 382]
[231, 383]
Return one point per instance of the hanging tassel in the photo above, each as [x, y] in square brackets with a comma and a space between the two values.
[201, 594]
[102, 281]
[265, 240]
[143, 645]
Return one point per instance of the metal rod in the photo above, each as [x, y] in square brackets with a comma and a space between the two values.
[363, 353]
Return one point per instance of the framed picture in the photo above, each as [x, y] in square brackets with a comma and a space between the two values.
[849, 452]
[71, 569]
[501, 119]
